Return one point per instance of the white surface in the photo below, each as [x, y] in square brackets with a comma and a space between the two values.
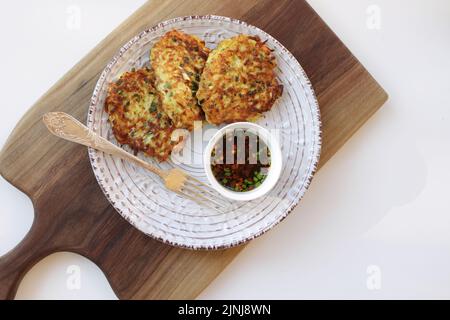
[376, 220]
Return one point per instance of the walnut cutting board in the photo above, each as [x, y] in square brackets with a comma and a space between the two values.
[71, 212]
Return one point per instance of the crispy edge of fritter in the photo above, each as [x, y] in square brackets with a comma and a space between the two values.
[193, 42]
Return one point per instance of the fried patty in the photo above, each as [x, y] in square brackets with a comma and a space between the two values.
[178, 60]
[136, 116]
[238, 82]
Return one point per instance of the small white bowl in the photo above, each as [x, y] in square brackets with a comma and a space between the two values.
[275, 157]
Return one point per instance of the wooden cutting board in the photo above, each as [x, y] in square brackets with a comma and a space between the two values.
[71, 212]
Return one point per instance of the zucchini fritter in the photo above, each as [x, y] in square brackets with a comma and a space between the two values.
[136, 117]
[178, 60]
[238, 82]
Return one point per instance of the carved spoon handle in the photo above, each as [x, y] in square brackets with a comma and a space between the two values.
[68, 128]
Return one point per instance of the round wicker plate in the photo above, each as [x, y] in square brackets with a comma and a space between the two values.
[141, 198]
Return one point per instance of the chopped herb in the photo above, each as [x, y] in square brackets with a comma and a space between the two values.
[153, 106]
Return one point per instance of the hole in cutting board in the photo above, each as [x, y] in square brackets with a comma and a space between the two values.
[16, 216]
[65, 276]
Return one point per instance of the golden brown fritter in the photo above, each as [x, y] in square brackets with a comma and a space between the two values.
[136, 117]
[178, 60]
[238, 82]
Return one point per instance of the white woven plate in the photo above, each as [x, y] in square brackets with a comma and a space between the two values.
[141, 198]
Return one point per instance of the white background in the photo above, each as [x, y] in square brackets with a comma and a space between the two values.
[379, 210]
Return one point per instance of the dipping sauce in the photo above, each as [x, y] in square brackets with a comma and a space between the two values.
[240, 161]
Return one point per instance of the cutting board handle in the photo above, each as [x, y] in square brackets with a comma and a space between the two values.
[16, 263]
